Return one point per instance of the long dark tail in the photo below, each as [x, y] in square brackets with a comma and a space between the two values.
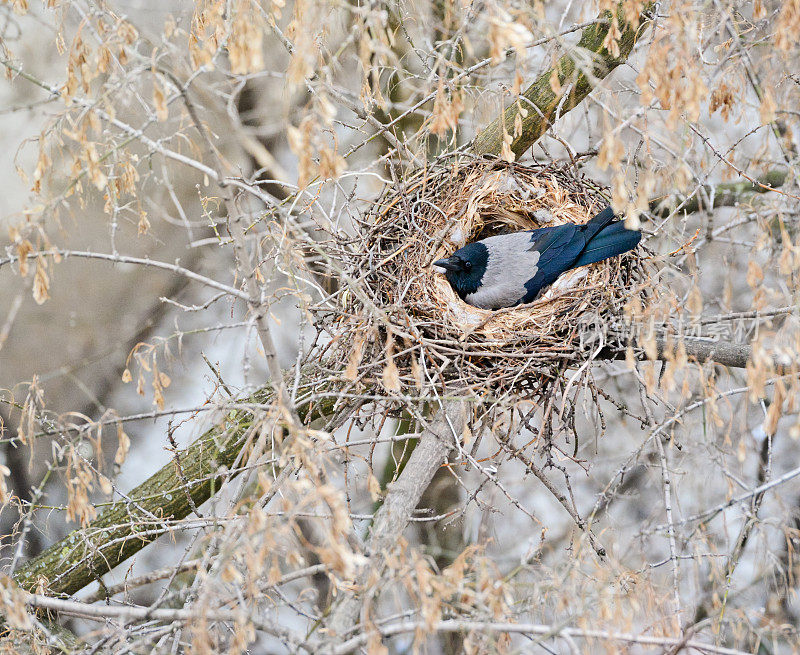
[606, 238]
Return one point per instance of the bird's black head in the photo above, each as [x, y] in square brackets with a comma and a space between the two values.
[465, 269]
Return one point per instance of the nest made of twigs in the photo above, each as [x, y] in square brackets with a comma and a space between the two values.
[406, 326]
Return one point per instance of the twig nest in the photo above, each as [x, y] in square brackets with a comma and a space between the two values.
[407, 328]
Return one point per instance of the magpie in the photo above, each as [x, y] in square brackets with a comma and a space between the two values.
[512, 269]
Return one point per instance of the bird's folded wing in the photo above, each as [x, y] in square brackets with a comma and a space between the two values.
[558, 249]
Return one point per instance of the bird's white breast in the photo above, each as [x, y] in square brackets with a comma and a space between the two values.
[510, 265]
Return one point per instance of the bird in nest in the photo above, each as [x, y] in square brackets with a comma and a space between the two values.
[513, 269]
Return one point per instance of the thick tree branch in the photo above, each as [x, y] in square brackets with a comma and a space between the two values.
[726, 194]
[561, 88]
[733, 355]
[395, 513]
[128, 525]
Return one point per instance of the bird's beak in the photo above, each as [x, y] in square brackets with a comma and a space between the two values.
[445, 265]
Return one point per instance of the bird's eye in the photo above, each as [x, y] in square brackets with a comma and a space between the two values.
[467, 265]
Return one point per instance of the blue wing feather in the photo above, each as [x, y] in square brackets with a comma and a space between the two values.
[613, 240]
[598, 223]
[558, 249]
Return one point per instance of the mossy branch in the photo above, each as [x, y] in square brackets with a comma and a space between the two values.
[563, 87]
[129, 525]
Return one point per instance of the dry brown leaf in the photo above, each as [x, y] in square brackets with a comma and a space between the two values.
[123, 446]
[41, 283]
